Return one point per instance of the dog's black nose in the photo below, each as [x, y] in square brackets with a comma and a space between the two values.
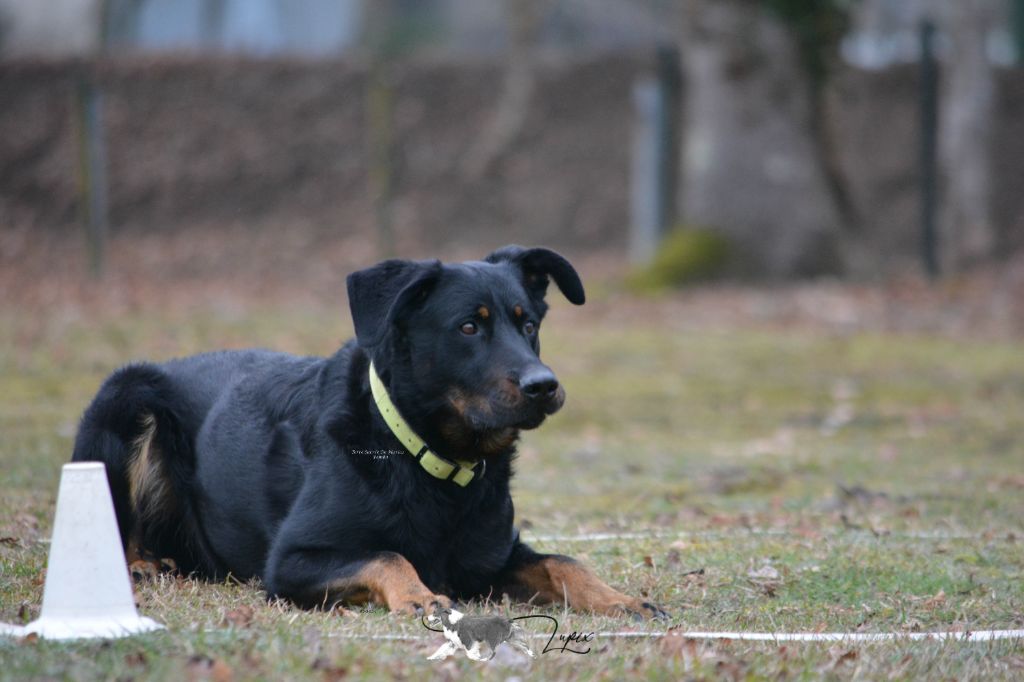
[539, 384]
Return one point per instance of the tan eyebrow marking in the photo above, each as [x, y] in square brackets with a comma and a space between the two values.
[483, 312]
[518, 310]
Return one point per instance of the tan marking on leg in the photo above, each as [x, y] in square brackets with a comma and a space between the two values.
[140, 567]
[558, 580]
[390, 580]
[143, 570]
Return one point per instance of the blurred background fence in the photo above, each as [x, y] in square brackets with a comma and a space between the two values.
[438, 121]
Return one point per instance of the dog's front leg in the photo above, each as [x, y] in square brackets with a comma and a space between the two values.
[385, 578]
[557, 579]
[443, 652]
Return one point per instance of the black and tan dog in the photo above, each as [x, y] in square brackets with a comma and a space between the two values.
[378, 474]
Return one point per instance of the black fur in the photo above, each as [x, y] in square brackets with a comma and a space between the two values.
[273, 460]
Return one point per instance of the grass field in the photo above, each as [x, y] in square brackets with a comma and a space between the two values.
[773, 475]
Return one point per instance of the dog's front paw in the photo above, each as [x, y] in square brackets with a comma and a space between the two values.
[419, 604]
[144, 570]
[446, 650]
[620, 604]
[642, 610]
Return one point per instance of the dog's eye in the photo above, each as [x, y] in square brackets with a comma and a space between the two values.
[468, 328]
[529, 328]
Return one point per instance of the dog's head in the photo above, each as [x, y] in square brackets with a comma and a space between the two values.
[446, 618]
[458, 344]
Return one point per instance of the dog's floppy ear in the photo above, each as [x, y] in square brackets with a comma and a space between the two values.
[537, 265]
[380, 295]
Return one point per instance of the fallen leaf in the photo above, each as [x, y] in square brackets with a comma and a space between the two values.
[27, 520]
[935, 601]
[694, 574]
[731, 668]
[222, 672]
[675, 645]
[240, 617]
[136, 658]
[1011, 481]
[766, 572]
[839, 656]
[328, 671]
[206, 668]
[911, 625]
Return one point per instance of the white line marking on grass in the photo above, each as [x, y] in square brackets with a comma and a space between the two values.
[379, 638]
[966, 636]
[770, 532]
[1005, 536]
[852, 637]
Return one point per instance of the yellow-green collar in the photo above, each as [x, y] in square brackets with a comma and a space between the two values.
[460, 471]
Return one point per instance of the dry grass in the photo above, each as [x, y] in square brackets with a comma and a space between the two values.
[874, 432]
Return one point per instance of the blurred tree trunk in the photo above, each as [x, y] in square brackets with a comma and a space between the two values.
[966, 121]
[380, 38]
[212, 22]
[1017, 19]
[751, 164]
[120, 21]
[523, 21]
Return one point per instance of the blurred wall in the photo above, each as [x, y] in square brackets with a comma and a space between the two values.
[274, 144]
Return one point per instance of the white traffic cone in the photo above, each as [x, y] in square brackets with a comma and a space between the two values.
[88, 592]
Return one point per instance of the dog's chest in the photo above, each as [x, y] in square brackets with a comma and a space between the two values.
[447, 550]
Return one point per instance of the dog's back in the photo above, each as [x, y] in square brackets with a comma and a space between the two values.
[491, 630]
[144, 425]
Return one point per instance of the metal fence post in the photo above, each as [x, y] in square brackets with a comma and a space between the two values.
[92, 171]
[655, 157]
[928, 95]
